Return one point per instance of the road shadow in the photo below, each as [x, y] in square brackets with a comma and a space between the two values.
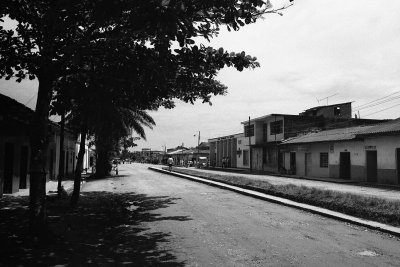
[106, 229]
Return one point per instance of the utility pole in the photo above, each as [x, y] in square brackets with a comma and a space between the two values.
[250, 157]
[198, 149]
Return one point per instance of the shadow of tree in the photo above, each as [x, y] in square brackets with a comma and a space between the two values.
[107, 229]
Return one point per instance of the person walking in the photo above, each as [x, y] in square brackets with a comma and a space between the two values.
[170, 161]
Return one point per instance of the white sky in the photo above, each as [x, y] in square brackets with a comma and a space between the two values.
[317, 49]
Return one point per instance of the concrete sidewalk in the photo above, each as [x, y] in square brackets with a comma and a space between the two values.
[51, 187]
[386, 192]
[317, 210]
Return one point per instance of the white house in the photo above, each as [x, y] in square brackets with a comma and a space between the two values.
[362, 153]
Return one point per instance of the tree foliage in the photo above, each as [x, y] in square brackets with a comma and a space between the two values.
[134, 53]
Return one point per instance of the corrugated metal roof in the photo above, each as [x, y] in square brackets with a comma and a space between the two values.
[386, 127]
[328, 135]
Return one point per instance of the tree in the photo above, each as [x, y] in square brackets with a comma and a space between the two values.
[54, 37]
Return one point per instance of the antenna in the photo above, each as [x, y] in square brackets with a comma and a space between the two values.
[327, 98]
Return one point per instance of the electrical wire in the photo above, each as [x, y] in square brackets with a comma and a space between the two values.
[378, 103]
[381, 110]
[360, 106]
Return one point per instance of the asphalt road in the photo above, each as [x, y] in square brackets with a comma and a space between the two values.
[208, 226]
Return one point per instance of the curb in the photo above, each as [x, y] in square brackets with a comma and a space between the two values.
[313, 209]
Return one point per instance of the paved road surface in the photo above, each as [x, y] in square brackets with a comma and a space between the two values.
[223, 228]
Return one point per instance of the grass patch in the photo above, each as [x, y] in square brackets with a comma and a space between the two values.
[370, 208]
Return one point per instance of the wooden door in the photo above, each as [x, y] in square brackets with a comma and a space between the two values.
[372, 166]
[345, 164]
[292, 162]
[23, 167]
[8, 168]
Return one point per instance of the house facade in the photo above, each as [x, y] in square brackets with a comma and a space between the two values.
[227, 151]
[363, 154]
[267, 132]
[15, 151]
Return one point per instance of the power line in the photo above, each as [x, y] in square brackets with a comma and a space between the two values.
[356, 108]
[381, 110]
[379, 103]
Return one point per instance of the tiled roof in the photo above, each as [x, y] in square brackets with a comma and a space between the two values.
[328, 135]
[386, 127]
[14, 110]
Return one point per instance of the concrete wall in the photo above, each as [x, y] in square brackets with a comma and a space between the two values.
[224, 147]
[386, 158]
[18, 142]
[213, 153]
[242, 143]
[273, 137]
[328, 112]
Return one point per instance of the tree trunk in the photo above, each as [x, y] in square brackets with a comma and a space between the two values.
[39, 144]
[79, 167]
[61, 164]
[103, 156]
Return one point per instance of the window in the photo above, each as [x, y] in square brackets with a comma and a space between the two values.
[239, 142]
[323, 160]
[249, 130]
[336, 111]
[276, 127]
[245, 157]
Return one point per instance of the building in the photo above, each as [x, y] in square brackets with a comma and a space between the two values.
[267, 132]
[15, 121]
[182, 155]
[342, 111]
[361, 153]
[230, 151]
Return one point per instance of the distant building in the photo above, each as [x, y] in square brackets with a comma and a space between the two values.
[229, 151]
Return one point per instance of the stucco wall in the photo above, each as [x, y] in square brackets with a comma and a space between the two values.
[273, 137]
[386, 154]
[316, 150]
[18, 142]
[242, 143]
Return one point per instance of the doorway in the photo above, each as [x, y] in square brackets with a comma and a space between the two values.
[292, 162]
[372, 166]
[344, 168]
[398, 164]
[23, 167]
[8, 168]
[307, 164]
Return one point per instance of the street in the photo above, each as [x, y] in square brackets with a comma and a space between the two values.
[207, 226]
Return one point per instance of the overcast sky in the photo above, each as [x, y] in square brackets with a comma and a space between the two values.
[349, 49]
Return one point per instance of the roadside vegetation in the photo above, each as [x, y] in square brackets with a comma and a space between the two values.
[370, 208]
